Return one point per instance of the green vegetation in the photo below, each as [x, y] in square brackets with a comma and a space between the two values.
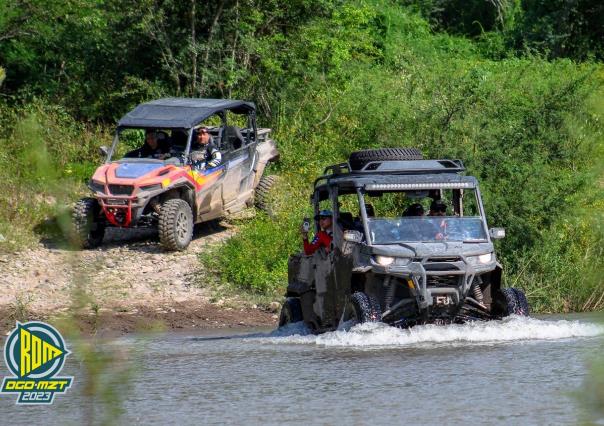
[44, 157]
[497, 86]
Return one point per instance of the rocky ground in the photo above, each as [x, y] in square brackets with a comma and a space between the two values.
[128, 284]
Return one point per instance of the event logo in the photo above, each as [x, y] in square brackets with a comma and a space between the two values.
[35, 353]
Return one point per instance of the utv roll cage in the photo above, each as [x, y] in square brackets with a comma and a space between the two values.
[393, 175]
[184, 114]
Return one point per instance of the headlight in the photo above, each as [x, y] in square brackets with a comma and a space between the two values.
[96, 186]
[151, 187]
[485, 258]
[482, 259]
[384, 260]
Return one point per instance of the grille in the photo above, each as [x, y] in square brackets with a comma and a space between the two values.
[442, 264]
[120, 189]
[443, 259]
[443, 280]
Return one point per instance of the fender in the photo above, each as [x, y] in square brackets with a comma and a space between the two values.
[266, 152]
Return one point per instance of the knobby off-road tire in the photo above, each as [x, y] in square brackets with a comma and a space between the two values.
[88, 227]
[524, 310]
[263, 194]
[359, 159]
[516, 303]
[362, 308]
[175, 224]
[291, 312]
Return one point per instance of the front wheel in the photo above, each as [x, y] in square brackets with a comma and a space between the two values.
[516, 303]
[175, 224]
[362, 308]
[88, 226]
[291, 311]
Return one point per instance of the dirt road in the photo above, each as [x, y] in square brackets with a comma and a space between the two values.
[128, 283]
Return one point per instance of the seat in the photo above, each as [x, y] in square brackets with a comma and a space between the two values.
[345, 221]
[179, 140]
[231, 138]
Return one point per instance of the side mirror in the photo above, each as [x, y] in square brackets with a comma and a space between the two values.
[103, 151]
[497, 233]
[353, 236]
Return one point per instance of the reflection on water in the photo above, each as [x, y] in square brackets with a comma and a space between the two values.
[517, 371]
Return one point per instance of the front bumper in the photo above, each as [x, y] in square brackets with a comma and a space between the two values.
[437, 279]
[120, 210]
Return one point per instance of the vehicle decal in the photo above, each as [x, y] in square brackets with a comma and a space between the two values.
[205, 177]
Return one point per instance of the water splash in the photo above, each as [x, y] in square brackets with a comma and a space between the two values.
[381, 335]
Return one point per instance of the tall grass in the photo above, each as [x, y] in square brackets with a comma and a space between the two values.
[45, 157]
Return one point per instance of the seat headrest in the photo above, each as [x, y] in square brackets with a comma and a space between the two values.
[231, 137]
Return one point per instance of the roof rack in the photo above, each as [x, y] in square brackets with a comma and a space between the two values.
[337, 169]
[397, 167]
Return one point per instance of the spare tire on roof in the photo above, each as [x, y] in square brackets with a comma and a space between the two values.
[359, 159]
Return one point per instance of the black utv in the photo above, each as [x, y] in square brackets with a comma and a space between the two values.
[410, 246]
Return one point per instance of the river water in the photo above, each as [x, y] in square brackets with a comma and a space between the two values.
[517, 371]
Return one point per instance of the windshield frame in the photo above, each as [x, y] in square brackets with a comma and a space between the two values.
[116, 140]
[361, 197]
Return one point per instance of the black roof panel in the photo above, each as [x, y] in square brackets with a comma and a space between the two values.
[180, 113]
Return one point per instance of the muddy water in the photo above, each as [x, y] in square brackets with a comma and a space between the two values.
[519, 371]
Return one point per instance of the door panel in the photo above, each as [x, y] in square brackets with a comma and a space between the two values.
[235, 166]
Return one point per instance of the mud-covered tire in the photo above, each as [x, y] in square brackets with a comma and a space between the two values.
[359, 159]
[522, 303]
[291, 311]
[263, 193]
[515, 302]
[88, 227]
[362, 308]
[175, 225]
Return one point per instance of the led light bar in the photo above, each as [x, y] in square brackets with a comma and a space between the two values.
[395, 186]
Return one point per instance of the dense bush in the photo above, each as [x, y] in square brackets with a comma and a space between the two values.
[45, 156]
[554, 28]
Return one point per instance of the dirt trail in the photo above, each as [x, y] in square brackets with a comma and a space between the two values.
[128, 282]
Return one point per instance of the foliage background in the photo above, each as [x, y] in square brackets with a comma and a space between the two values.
[512, 87]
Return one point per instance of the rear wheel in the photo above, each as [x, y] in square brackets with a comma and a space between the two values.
[263, 196]
[359, 159]
[362, 308]
[291, 312]
[175, 224]
[88, 226]
[515, 301]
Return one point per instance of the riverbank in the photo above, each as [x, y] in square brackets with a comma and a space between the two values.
[128, 284]
[186, 316]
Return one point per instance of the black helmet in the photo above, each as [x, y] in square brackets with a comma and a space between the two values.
[438, 206]
[415, 209]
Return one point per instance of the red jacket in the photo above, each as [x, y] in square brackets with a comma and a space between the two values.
[322, 239]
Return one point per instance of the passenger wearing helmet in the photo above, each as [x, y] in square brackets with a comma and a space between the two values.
[438, 208]
[323, 237]
[415, 209]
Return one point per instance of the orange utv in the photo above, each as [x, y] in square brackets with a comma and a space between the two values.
[171, 191]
